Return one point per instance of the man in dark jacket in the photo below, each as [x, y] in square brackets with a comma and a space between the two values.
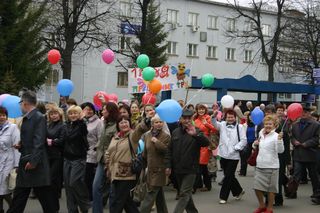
[33, 170]
[305, 139]
[183, 157]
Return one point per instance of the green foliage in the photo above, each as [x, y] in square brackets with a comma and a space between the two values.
[21, 48]
[9, 84]
[154, 44]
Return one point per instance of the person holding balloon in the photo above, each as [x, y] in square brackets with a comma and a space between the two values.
[232, 140]
[203, 122]
[267, 169]
[9, 158]
[305, 139]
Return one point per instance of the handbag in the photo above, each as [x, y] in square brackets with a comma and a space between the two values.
[140, 190]
[12, 179]
[252, 160]
[136, 160]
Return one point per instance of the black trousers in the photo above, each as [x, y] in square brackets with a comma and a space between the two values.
[89, 177]
[56, 172]
[120, 198]
[244, 155]
[203, 177]
[283, 180]
[21, 195]
[312, 169]
[230, 183]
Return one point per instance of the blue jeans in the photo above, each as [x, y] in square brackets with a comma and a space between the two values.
[99, 185]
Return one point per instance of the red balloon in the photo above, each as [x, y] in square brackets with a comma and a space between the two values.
[294, 111]
[149, 98]
[96, 99]
[113, 98]
[54, 56]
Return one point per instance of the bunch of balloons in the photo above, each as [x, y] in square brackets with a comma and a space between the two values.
[148, 74]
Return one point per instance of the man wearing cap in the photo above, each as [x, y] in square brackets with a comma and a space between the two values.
[305, 139]
[183, 157]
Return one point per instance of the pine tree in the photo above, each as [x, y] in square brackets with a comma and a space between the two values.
[21, 48]
[9, 84]
[152, 39]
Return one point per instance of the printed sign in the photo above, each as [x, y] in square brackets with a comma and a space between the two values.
[316, 72]
[130, 29]
[171, 78]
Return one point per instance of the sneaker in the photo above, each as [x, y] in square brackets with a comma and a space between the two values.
[222, 202]
[240, 195]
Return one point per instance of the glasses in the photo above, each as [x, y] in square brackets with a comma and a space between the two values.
[20, 102]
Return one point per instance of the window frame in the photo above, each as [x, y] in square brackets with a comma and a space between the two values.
[232, 53]
[210, 22]
[210, 49]
[172, 45]
[192, 22]
[171, 11]
[246, 59]
[126, 45]
[268, 34]
[126, 11]
[194, 49]
[231, 24]
[123, 80]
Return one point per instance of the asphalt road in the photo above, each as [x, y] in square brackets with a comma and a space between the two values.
[207, 202]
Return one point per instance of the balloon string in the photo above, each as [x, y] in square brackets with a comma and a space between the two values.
[193, 97]
[284, 124]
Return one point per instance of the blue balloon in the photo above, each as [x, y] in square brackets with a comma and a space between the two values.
[257, 116]
[169, 111]
[11, 103]
[65, 87]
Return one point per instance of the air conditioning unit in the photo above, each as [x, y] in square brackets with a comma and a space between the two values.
[195, 28]
[174, 26]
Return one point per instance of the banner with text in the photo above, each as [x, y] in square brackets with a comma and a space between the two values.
[171, 78]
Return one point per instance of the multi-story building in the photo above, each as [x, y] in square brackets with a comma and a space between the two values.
[197, 36]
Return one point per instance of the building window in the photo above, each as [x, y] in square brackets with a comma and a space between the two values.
[125, 9]
[266, 30]
[281, 95]
[248, 56]
[124, 43]
[211, 52]
[212, 22]
[193, 19]
[230, 54]
[122, 79]
[248, 26]
[172, 16]
[192, 50]
[288, 95]
[172, 48]
[231, 25]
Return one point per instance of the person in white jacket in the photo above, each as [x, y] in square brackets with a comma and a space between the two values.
[267, 169]
[232, 140]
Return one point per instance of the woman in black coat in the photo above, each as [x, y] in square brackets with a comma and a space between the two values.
[74, 166]
[55, 135]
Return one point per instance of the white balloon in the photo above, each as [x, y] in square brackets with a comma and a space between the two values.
[227, 101]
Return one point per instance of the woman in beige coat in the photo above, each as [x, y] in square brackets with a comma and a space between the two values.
[156, 145]
[118, 164]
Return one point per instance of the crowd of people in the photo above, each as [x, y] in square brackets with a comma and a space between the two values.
[92, 154]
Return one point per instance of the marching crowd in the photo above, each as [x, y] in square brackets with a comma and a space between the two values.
[124, 155]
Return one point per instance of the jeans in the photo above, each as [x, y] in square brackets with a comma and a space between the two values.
[230, 183]
[98, 187]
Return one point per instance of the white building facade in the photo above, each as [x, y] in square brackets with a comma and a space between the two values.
[197, 36]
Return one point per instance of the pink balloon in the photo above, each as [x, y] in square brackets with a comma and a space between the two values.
[294, 111]
[113, 98]
[2, 97]
[108, 56]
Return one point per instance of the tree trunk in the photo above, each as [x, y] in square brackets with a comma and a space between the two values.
[270, 79]
[66, 65]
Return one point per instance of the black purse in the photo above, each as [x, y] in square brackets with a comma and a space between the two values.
[136, 160]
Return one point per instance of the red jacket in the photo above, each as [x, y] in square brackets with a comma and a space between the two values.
[206, 129]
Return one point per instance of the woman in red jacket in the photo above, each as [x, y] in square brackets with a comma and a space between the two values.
[203, 122]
